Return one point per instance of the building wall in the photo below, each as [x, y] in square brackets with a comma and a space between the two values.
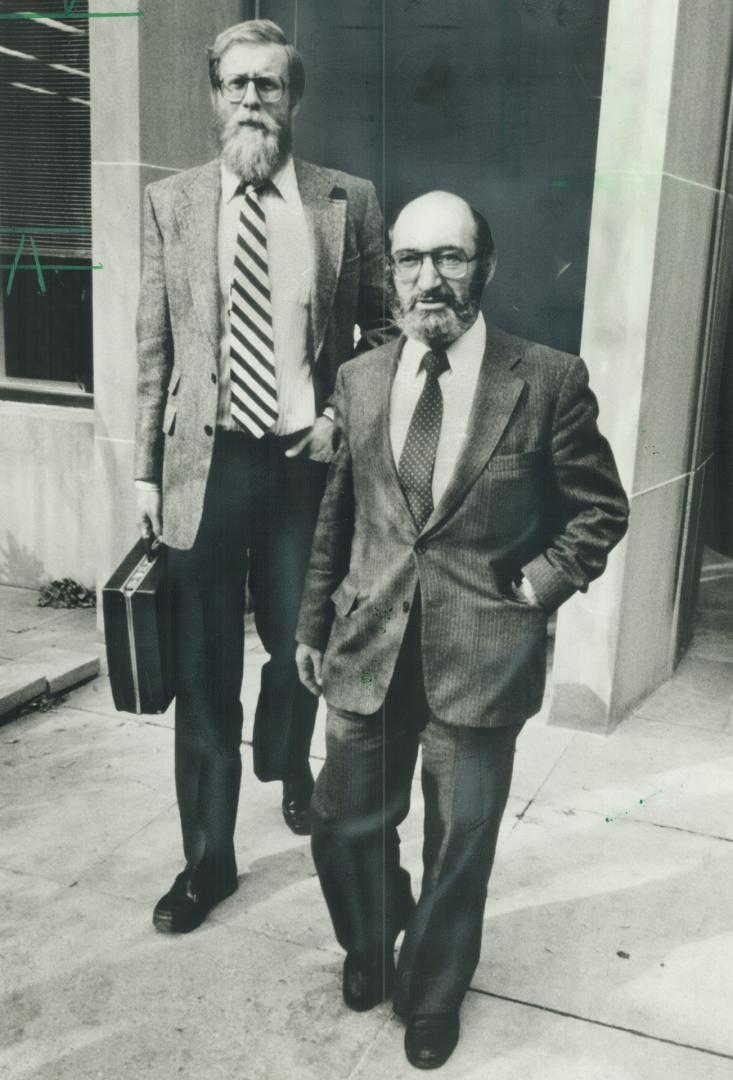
[656, 301]
[48, 519]
[496, 101]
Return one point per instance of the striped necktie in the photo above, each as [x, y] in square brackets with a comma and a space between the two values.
[252, 354]
[417, 460]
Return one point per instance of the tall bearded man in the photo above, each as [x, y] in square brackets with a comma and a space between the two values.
[257, 268]
[471, 494]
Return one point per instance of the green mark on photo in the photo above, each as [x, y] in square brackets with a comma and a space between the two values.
[15, 265]
[69, 13]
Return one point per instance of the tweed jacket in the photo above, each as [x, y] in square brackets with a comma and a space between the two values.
[178, 318]
[535, 490]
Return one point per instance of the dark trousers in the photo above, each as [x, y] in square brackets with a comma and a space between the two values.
[361, 797]
[259, 513]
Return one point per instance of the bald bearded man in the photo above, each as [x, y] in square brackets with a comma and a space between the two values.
[471, 495]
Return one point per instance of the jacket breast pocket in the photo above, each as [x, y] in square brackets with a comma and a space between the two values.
[345, 598]
[524, 462]
[350, 264]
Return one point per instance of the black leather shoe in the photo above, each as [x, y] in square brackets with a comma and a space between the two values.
[430, 1040]
[189, 901]
[296, 803]
[366, 982]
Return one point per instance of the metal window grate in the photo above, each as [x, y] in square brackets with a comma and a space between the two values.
[45, 165]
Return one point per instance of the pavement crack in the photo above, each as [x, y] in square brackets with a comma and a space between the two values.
[601, 1023]
[636, 820]
[551, 770]
[368, 1049]
[520, 816]
[687, 727]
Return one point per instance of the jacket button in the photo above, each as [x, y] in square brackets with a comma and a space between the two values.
[421, 548]
[208, 429]
[213, 377]
[405, 606]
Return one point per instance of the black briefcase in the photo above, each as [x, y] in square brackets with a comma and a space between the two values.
[138, 626]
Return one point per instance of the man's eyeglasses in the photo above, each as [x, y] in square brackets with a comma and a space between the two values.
[270, 88]
[449, 262]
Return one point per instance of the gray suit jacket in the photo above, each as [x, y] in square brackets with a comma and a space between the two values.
[535, 490]
[178, 318]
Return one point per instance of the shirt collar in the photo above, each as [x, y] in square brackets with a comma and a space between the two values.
[283, 180]
[469, 347]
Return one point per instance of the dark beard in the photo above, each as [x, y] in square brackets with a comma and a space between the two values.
[435, 328]
[252, 153]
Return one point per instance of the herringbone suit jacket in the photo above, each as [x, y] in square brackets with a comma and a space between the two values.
[178, 318]
[535, 490]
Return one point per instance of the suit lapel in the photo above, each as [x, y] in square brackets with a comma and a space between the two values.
[497, 392]
[325, 211]
[197, 212]
[384, 378]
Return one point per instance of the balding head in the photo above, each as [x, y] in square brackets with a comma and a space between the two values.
[438, 219]
[433, 300]
[442, 219]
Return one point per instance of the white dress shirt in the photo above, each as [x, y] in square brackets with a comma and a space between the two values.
[458, 386]
[290, 266]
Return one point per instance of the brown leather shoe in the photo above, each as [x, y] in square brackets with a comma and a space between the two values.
[431, 1039]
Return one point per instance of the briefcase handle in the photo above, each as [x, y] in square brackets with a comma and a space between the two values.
[153, 546]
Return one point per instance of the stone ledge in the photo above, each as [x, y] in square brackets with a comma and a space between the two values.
[47, 670]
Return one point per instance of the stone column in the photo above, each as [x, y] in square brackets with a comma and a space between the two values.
[658, 277]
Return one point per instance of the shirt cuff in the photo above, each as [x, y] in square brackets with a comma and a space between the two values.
[526, 587]
[147, 485]
[329, 413]
[524, 592]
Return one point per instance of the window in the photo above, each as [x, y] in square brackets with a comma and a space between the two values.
[45, 204]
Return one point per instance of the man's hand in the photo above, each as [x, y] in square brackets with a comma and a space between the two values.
[308, 662]
[149, 517]
[319, 441]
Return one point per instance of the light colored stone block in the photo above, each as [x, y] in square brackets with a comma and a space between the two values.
[673, 364]
[48, 515]
[48, 670]
[699, 695]
[62, 668]
[17, 686]
[646, 632]
[700, 91]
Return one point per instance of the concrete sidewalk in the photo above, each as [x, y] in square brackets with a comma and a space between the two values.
[608, 950]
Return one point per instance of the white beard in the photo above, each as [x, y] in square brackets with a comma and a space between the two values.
[435, 328]
[252, 153]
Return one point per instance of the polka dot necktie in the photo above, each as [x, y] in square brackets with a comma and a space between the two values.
[417, 460]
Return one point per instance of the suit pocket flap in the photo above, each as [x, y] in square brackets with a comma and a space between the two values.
[169, 418]
[345, 598]
[515, 462]
[173, 384]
